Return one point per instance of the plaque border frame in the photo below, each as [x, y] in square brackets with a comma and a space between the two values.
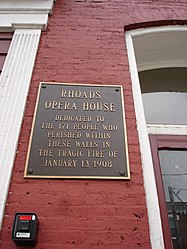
[77, 177]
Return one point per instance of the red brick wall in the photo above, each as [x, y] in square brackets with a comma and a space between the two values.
[85, 43]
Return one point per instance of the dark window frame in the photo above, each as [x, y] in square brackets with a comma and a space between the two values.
[5, 41]
[158, 142]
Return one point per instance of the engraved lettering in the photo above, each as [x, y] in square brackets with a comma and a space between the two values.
[92, 127]
[103, 164]
[87, 106]
[110, 127]
[63, 126]
[59, 143]
[95, 153]
[70, 153]
[86, 144]
[60, 105]
[105, 145]
[112, 154]
[68, 118]
[97, 135]
[45, 152]
[47, 125]
[60, 163]
[100, 119]
[62, 134]
[80, 94]
[85, 163]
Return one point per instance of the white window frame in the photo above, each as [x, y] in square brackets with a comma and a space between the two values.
[27, 19]
[156, 235]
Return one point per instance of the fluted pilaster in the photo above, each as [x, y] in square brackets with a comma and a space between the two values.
[14, 85]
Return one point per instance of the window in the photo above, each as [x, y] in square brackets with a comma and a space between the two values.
[5, 40]
[164, 93]
[170, 156]
[158, 66]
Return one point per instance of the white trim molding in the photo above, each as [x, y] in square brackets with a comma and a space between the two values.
[167, 129]
[155, 226]
[160, 47]
[33, 12]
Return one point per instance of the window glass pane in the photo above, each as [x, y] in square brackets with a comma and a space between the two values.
[174, 175]
[5, 40]
[4, 46]
[2, 60]
[164, 93]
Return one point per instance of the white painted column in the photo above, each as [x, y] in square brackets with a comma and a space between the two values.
[14, 84]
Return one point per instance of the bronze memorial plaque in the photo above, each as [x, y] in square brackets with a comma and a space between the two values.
[78, 132]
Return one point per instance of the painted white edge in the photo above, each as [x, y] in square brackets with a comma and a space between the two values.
[167, 129]
[155, 227]
[159, 29]
[14, 85]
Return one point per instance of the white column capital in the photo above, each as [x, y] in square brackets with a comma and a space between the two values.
[24, 26]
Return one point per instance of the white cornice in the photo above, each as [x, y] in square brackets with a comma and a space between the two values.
[21, 12]
[28, 26]
[25, 4]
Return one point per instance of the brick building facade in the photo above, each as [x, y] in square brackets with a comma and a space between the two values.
[86, 42]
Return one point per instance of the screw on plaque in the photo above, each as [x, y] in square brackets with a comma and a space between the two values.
[30, 171]
[117, 90]
[44, 86]
[122, 172]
